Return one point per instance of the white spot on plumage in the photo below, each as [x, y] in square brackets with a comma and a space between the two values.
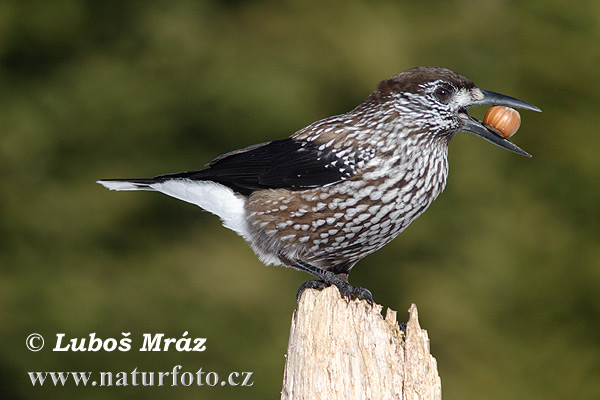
[362, 217]
[283, 225]
[319, 207]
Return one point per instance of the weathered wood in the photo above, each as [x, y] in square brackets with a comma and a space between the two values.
[347, 350]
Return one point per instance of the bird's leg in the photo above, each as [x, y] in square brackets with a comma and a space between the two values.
[328, 278]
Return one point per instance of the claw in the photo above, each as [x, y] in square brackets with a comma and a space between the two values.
[312, 284]
[362, 293]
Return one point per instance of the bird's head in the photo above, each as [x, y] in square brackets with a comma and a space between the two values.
[436, 100]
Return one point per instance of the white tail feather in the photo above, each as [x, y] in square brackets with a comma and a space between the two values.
[123, 185]
[211, 196]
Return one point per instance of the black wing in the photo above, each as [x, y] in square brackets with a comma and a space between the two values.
[286, 163]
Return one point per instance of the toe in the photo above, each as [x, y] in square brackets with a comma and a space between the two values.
[313, 284]
[362, 293]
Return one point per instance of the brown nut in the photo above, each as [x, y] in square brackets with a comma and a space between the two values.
[504, 121]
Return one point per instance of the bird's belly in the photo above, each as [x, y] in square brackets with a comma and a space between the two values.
[335, 224]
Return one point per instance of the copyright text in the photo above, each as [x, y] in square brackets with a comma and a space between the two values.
[149, 342]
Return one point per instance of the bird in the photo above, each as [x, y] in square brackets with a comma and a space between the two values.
[345, 186]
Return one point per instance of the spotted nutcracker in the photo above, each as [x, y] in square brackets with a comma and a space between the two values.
[345, 186]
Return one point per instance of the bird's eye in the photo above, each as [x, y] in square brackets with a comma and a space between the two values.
[443, 93]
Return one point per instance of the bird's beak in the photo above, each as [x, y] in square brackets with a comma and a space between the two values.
[476, 127]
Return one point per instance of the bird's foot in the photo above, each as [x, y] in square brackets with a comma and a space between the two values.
[347, 290]
[328, 278]
[312, 284]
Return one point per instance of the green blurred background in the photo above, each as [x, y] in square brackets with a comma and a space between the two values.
[505, 266]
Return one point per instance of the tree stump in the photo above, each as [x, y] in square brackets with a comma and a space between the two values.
[347, 350]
